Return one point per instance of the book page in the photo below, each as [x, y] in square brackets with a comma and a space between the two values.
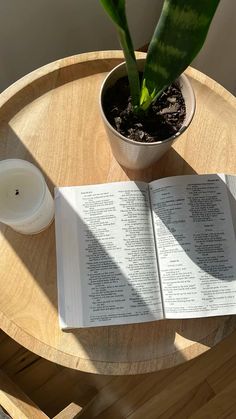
[114, 266]
[230, 181]
[196, 245]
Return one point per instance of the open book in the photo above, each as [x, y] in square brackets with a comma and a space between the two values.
[131, 252]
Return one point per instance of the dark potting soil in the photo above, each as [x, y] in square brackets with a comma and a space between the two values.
[164, 118]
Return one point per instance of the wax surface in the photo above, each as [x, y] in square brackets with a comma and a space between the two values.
[20, 194]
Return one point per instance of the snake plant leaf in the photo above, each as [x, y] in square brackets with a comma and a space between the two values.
[116, 11]
[146, 98]
[178, 37]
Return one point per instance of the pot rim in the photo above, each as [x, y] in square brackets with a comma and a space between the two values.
[182, 78]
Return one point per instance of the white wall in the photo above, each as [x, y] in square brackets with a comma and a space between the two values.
[218, 56]
[35, 32]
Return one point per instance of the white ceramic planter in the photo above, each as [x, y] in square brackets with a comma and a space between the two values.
[138, 155]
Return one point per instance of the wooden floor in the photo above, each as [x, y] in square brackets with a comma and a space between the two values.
[203, 388]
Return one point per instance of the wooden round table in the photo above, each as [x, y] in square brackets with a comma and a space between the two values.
[51, 118]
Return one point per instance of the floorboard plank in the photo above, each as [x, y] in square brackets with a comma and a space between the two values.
[129, 393]
[222, 406]
[200, 369]
[223, 376]
[197, 387]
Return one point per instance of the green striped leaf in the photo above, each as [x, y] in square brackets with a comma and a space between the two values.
[178, 37]
[116, 11]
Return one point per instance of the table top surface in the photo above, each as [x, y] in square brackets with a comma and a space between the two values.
[51, 118]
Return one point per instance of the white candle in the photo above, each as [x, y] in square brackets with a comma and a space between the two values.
[26, 204]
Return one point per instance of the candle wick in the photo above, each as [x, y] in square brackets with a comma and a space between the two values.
[17, 192]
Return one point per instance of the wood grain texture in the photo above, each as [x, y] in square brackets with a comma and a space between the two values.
[39, 382]
[178, 392]
[202, 388]
[16, 402]
[51, 118]
[222, 406]
[70, 412]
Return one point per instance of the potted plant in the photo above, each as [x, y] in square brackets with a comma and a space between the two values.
[147, 104]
